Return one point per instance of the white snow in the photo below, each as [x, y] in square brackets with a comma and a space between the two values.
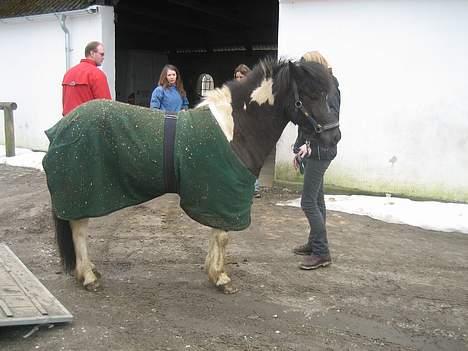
[23, 158]
[440, 216]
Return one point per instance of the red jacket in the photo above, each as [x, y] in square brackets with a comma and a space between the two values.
[82, 83]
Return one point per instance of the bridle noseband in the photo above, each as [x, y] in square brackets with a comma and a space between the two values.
[300, 107]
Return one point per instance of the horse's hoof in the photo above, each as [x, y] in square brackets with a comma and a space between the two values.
[228, 289]
[96, 273]
[93, 286]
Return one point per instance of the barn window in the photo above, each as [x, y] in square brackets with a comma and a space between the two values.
[205, 83]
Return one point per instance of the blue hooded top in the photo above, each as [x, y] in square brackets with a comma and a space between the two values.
[168, 99]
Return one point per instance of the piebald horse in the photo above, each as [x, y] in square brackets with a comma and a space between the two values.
[250, 116]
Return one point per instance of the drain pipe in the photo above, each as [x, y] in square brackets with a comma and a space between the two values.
[67, 40]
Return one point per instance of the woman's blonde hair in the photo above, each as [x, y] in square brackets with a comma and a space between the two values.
[315, 56]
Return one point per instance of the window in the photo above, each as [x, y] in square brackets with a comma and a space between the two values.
[205, 83]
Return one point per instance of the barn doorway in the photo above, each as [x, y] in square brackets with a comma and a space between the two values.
[202, 38]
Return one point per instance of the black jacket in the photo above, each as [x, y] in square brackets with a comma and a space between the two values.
[318, 151]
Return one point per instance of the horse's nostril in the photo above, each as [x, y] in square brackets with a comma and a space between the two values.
[336, 138]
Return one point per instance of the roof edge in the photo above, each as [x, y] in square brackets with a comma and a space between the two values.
[90, 10]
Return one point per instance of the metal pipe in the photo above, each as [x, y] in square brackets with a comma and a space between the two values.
[67, 40]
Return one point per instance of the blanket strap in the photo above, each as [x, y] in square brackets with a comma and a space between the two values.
[170, 121]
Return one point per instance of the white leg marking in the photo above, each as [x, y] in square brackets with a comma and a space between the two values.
[264, 93]
[214, 263]
[84, 267]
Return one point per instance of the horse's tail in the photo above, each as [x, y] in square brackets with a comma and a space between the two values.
[64, 238]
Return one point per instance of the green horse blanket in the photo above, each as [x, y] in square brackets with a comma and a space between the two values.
[106, 155]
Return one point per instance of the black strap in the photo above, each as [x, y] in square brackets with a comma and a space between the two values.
[300, 107]
[170, 121]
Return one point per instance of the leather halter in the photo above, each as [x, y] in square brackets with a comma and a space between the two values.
[319, 128]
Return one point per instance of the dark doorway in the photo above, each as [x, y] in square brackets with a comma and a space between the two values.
[201, 38]
[209, 36]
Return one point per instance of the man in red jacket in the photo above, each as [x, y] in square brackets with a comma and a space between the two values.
[85, 81]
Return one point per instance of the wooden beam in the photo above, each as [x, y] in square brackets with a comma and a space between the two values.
[203, 8]
[169, 19]
[8, 108]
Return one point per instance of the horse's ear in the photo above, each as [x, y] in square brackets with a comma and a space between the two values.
[293, 71]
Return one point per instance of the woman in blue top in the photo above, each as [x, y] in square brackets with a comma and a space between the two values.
[169, 95]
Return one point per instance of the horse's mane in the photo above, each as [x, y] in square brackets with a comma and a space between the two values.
[317, 79]
[313, 76]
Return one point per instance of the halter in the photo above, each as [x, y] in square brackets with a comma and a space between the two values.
[317, 126]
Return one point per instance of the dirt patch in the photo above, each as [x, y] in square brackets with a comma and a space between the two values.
[391, 287]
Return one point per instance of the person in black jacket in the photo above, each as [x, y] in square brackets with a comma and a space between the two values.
[314, 159]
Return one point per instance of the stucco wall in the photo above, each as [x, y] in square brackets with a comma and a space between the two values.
[33, 63]
[402, 71]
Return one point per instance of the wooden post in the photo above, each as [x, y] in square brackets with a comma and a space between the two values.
[8, 108]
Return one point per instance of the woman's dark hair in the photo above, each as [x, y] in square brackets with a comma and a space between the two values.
[165, 83]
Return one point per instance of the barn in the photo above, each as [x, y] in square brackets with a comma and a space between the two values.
[401, 67]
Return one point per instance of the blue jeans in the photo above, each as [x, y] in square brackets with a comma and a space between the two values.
[313, 205]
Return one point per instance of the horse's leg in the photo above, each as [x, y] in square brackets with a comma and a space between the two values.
[84, 267]
[214, 263]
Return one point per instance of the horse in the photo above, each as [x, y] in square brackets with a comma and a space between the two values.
[106, 155]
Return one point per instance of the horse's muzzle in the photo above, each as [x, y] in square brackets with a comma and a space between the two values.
[330, 137]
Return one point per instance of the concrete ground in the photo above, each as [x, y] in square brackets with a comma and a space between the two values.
[390, 287]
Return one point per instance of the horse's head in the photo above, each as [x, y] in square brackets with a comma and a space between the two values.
[307, 100]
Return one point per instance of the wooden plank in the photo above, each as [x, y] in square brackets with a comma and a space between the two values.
[8, 108]
[19, 301]
[27, 293]
[5, 308]
[23, 298]
[9, 289]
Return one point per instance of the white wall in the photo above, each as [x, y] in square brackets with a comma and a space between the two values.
[33, 63]
[402, 67]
